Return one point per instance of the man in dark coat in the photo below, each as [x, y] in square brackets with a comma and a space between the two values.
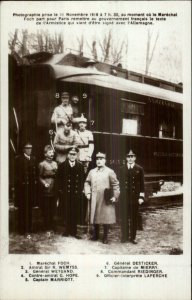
[25, 187]
[132, 195]
[70, 179]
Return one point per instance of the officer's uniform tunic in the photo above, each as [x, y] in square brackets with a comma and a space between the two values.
[62, 143]
[132, 188]
[70, 184]
[86, 146]
[62, 115]
[47, 173]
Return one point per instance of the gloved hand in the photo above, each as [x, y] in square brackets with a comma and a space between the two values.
[140, 201]
[113, 199]
[88, 197]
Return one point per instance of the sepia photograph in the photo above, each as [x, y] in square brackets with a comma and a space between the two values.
[89, 107]
[97, 109]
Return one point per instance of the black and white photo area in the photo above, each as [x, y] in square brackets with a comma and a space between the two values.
[128, 99]
[96, 150]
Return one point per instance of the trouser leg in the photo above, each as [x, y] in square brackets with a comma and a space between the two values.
[125, 229]
[105, 232]
[96, 230]
[28, 217]
[51, 212]
[22, 229]
[133, 227]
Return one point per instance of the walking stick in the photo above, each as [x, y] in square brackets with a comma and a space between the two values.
[88, 219]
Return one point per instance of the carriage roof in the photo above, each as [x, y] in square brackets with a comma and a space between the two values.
[92, 76]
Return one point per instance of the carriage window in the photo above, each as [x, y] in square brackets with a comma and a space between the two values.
[166, 130]
[132, 113]
[130, 126]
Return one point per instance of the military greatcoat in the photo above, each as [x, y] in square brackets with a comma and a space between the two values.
[70, 182]
[97, 181]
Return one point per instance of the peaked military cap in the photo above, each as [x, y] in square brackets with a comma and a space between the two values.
[27, 145]
[131, 153]
[100, 155]
[65, 94]
[73, 149]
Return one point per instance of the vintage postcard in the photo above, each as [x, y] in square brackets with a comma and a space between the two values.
[95, 150]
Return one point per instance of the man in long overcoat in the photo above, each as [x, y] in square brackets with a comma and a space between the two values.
[70, 177]
[98, 180]
[132, 195]
[25, 187]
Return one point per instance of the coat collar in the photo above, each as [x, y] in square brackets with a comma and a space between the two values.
[132, 166]
[100, 169]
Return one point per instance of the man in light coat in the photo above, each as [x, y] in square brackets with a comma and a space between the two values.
[63, 113]
[63, 141]
[86, 143]
[97, 181]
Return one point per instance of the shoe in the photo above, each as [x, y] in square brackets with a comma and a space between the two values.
[77, 237]
[65, 234]
[133, 242]
[123, 241]
[93, 238]
[105, 241]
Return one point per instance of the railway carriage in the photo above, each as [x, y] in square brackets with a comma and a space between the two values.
[124, 109]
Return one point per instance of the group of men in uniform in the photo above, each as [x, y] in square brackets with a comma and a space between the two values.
[70, 180]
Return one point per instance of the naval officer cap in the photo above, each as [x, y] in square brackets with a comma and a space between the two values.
[73, 149]
[131, 153]
[28, 145]
[100, 155]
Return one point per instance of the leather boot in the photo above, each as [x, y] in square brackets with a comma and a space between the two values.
[105, 234]
[95, 236]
